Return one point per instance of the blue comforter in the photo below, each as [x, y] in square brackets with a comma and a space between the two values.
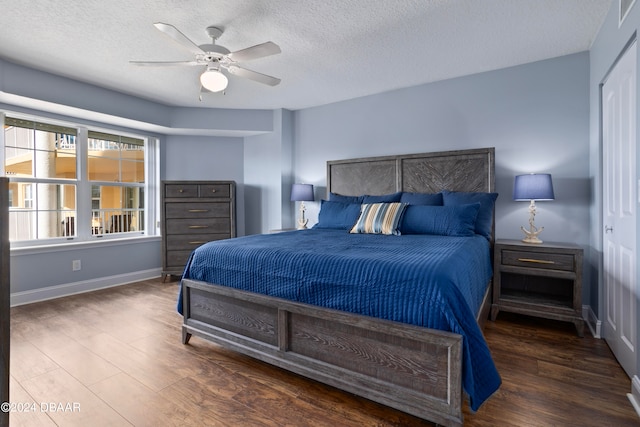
[432, 281]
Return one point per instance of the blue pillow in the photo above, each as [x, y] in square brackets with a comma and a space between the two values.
[385, 198]
[484, 222]
[422, 199]
[333, 197]
[457, 220]
[337, 215]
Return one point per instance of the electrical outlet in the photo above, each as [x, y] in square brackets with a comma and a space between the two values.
[76, 265]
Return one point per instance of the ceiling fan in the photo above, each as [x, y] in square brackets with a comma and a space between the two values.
[217, 58]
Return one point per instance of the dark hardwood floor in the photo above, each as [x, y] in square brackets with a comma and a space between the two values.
[114, 357]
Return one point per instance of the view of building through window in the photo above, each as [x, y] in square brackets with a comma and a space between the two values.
[46, 189]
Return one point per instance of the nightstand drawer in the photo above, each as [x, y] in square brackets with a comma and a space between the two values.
[548, 261]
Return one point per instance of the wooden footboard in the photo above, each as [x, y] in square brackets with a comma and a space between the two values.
[413, 369]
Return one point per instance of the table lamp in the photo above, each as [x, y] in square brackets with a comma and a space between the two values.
[532, 187]
[302, 193]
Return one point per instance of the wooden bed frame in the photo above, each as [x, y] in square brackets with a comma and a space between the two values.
[414, 369]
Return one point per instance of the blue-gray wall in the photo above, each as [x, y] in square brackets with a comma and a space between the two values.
[268, 176]
[535, 115]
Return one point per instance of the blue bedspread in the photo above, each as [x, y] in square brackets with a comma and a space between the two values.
[432, 281]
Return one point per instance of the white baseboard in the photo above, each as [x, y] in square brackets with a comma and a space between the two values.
[592, 321]
[595, 326]
[51, 292]
[634, 396]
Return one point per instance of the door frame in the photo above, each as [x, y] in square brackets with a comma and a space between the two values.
[634, 395]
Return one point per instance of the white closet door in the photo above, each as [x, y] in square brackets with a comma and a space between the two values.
[620, 200]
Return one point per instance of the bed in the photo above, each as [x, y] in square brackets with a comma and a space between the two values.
[413, 345]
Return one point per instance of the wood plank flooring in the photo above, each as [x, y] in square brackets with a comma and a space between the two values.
[116, 355]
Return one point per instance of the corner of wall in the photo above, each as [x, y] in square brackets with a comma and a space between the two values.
[592, 321]
[268, 175]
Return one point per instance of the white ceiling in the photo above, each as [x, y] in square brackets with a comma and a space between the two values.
[332, 50]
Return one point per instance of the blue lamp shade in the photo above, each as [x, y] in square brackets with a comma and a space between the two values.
[302, 193]
[534, 186]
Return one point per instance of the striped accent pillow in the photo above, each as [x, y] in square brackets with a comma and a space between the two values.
[379, 218]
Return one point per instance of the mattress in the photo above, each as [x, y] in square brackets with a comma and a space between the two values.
[425, 280]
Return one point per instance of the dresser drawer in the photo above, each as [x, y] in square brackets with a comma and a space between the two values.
[176, 260]
[181, 242]
[549, 261]
[182, 245]
[215, 190]
[199, 226]
[197, 210]
[180, 190]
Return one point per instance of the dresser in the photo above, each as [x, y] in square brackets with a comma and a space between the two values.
[542, 280]
[194, 213]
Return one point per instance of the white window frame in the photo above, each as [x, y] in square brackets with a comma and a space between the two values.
[83, 185]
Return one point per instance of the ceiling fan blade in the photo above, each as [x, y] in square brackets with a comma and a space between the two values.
[203, 91]
[178, 37]
[163, 63]
[253, 75]
[255, 52]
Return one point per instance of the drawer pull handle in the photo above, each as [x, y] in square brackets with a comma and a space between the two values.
[537, 261]
[213, 191]
[198, 210]
[196, 242]
[181, 190]
[198, 226]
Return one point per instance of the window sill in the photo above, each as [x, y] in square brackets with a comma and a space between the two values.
[87, 244]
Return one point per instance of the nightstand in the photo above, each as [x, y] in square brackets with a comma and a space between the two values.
[542, 280]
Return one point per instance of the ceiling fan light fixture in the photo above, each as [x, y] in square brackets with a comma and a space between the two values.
[216, 58]
[213, 80]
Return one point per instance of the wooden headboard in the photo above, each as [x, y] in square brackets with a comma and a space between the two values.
[461, 170]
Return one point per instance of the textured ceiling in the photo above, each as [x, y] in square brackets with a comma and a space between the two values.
[332, 50]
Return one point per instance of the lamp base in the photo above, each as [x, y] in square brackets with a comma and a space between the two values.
[532, 240]
[302, 222]
[531, 236]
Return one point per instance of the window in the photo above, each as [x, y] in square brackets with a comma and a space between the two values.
[116, 172]
[75, 183]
